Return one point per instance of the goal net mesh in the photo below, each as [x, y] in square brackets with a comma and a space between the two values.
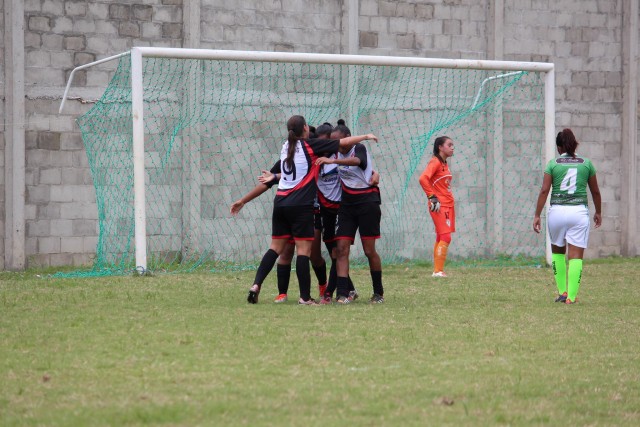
[211, 126]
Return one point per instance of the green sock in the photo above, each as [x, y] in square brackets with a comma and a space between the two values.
[559, 266]
[575, 274]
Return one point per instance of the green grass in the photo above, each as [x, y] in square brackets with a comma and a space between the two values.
[486, 346]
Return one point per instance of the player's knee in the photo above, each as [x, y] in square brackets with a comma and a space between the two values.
[370, 251]
[342, 249]
[445, 237]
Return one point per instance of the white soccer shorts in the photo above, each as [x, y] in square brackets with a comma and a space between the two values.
[568, 224]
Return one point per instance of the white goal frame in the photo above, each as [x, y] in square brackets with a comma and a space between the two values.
[137, 97]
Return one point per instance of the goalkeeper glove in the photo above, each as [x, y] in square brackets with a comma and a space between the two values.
[434, 204]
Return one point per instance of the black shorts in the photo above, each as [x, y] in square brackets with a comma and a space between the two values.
[292, 221]
[364, 218]
[317, 219]
[328, 224]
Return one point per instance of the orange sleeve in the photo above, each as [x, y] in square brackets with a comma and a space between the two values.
[425, 179]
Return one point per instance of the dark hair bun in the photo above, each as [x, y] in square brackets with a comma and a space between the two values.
[341, 122]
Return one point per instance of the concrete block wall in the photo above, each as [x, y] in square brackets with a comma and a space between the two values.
[583, 39]
[272, 25]
[446, 29]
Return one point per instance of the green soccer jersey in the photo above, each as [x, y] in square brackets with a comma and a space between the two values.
[570, 176]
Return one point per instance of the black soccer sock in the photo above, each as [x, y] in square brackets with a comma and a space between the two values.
[304, 276]
[333, 279]
[351, 287]
[376, 279]
[266, 265]
[343, 287]
[321, 273]
[284, 274]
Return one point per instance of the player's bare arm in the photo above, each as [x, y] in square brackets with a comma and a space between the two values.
[351, 161]
[239, 204]
[542, 199]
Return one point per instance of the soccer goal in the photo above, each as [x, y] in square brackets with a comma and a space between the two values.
[179, 134]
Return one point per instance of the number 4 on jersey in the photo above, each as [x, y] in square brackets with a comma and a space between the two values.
[569, 181]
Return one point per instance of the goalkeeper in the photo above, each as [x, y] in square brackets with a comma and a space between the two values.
[436, 183]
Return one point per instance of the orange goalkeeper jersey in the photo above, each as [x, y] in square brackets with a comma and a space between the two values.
[436, 179]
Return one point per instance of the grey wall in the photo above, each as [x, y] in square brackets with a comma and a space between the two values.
[584, 39]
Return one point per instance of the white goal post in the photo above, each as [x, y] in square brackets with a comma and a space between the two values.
[137, 99]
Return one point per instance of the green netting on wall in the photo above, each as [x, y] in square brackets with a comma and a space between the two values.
[212, 126]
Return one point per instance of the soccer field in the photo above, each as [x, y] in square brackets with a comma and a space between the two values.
[486, 346]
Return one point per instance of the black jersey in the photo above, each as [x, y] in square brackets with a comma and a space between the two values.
[298, 186]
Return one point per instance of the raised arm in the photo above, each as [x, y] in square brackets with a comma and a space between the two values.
[350, 141]
[350, 161]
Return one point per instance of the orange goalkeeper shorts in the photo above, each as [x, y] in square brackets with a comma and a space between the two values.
[444, 220]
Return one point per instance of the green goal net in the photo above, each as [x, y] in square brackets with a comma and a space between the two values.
[211, 126]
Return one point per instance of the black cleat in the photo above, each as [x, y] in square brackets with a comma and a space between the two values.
[253, 294]
[376, 299]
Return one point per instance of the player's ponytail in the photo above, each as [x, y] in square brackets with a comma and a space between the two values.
[295, 126]
[567, 140]
[439, 142]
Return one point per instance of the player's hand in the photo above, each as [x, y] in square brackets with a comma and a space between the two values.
[597, 219]
[372, 137]
[434, 204]
[323, 161]
[536, 224]
[375, 179]
[266, 177]
[236, 206]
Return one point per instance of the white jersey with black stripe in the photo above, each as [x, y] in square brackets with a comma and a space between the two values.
[355, 179]
[297, 185]
[329, 186]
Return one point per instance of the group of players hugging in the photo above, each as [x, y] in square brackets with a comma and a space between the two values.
[328, 191]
